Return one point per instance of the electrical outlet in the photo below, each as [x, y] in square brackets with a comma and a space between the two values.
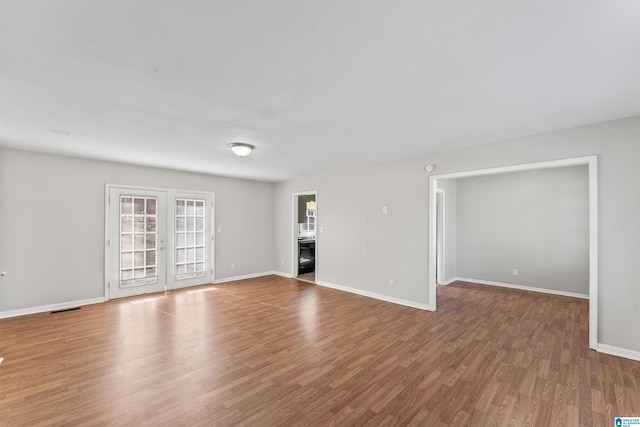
[384, 210]
[233, 266]
[219, 229]
[391, 283]
[515, 271]
[282, 263]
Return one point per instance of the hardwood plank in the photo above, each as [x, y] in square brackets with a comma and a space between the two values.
[276, 351]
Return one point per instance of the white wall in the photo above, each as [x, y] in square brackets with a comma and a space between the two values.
[536, 222]
[362, 249]
[353, 249]
[52, 224]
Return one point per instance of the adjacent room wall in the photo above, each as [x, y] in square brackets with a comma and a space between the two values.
[536, 222]
[362, 248]
[52, 224]
[302, 206]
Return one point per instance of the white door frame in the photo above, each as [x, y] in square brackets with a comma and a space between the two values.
[592, 164]
[440, 238]
[107, 228]
[294, 231]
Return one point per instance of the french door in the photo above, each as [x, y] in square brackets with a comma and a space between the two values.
[158, 240]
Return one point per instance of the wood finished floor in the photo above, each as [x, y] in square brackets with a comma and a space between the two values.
[276, 351]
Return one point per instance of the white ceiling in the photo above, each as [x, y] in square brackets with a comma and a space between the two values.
[316, 85]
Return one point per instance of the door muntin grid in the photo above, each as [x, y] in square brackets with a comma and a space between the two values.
[190, 243]
[138, 241]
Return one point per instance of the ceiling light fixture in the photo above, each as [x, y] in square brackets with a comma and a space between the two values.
[241, 149]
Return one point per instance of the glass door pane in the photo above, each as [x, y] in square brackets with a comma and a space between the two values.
[137, 239]
[190, 262]
[190, 239]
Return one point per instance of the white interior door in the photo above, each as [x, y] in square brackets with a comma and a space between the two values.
[158, 240]
[137, 242]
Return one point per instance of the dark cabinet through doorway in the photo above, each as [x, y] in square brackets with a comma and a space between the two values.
[306, 256]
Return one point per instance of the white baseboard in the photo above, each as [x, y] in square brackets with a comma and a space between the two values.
[246, 276]
[524, 288]
[617, 351]
[281, 274]
[51, 307]
[377, 296]
[450, 281]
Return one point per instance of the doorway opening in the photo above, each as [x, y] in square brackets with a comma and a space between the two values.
[304, 232]
[590, 162]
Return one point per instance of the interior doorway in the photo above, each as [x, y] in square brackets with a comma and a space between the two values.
[591, 163]
[304, 232]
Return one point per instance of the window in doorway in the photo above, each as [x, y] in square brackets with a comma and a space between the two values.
[190, 239]
[138, 246]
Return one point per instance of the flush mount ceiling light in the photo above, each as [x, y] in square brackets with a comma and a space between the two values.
[241, 149]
